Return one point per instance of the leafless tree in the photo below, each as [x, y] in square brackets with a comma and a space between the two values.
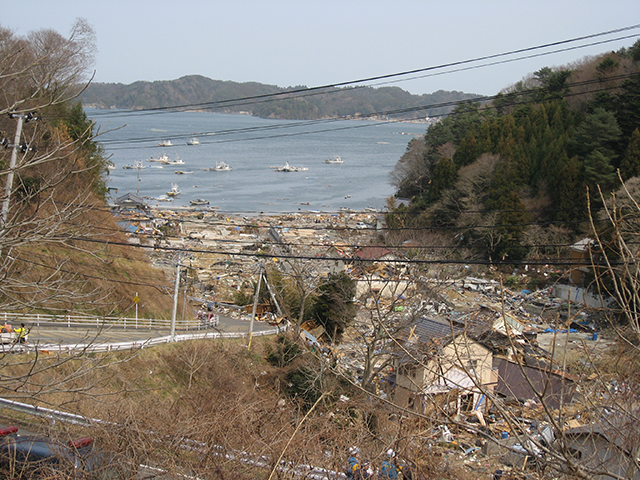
[51, 171]
[294, 282]
[193, 357]
[412, 170]
[616, 257]
[389, 309]
[44, 68]
[54, 226]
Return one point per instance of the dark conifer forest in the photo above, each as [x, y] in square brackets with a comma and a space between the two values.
[517, 176]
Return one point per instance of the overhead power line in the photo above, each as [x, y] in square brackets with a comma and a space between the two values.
[394, 75]
[440, 261]
[385, 113]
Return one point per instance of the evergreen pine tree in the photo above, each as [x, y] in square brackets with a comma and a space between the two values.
[444, 176]
[468, 151]
[567, 190]
[598, 172]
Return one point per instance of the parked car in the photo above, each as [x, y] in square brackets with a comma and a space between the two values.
[39, 456]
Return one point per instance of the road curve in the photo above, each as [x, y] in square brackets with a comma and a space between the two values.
[46, 335]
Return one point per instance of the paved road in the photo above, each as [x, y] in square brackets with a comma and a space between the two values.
[72, 336]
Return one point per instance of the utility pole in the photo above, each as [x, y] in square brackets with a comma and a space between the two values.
[273, 297]
[255, 305]
[174, 312]
[12, 164]
[138, 189]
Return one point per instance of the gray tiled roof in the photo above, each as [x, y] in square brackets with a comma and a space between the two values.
[427, 330]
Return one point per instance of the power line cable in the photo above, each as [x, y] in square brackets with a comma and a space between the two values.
[527, 57]
[568, 262]
[399, 74]
[364, 116]
[86, 275]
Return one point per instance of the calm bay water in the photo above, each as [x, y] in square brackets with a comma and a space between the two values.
[252, 146]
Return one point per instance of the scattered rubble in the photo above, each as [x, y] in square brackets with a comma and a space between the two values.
[524, 339]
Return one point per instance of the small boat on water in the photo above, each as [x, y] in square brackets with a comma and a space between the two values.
[289, 168]
[199, 201]
[162, 198]
[336, 159]
[193, 141]
[165, 143]
[164, 158]
[220, 167]
[137, 166]
[174, 192]
[177, 161]
[182, 172]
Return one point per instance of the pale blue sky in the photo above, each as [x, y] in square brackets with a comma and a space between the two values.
[313, 43]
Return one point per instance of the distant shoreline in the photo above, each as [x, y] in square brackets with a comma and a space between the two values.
[420, 121]
[306, 213]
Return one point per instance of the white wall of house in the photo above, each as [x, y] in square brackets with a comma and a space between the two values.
[387, 289]
[580, 295]
[463, 353]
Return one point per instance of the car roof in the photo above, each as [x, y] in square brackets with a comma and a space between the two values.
[42, 450]
[38, 446]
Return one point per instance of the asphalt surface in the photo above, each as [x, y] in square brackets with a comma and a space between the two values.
[73, 336]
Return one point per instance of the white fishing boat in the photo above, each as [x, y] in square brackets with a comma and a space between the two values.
[138, 166]
[289, 168]
[220, 167]
[177, 161]
[199, 201]
[165, 143]
[193, 141]
[174, 192]
[164, 158]
[182, 172]
[163, 198]
[336, 159]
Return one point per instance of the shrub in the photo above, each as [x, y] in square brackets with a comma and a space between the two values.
[282, 352]
[512, 281]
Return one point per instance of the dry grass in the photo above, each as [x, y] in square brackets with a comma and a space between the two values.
[99, 278]
[218, 393]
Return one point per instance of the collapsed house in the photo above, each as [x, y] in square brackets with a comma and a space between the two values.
[524, 370]
[441, 366]
[458, 366]
[610, 446]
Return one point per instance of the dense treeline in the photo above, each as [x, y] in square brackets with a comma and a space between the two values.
[198, 92]
[515, 176]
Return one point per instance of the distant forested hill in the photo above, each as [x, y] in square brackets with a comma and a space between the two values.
[195, 92]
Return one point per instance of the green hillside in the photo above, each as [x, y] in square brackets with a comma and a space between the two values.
[195, 92]
[521, 176]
